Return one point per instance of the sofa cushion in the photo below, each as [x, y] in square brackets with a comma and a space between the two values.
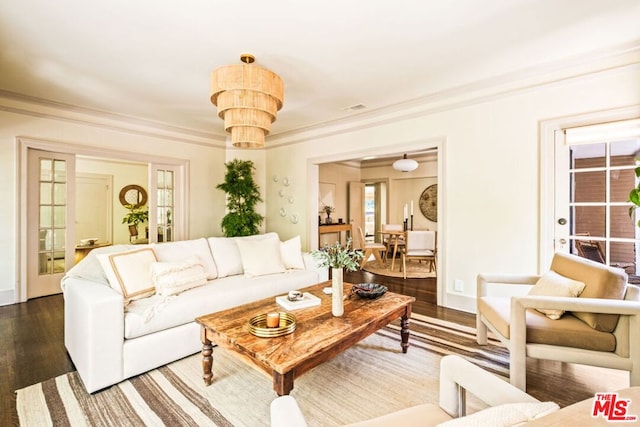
[129, 272]
[553, 284]
[141, 318]
[568, 331]
[260, 257]
[175, 251]
[508, 414]
[291, 252]
[171, 278]
[600, 281]
[226, 255]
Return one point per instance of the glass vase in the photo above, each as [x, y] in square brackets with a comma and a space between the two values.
[337, 298]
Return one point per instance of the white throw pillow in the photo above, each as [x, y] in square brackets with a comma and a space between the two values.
[129, 272]
[174, 251]
[260, 257]
[291, 252]
[171, 278]
[552, 284]
[509, 414]
[226, 255]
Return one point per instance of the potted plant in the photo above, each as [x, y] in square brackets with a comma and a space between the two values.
[327, 210]
[338, 258]
[135, 216]
[242, 196]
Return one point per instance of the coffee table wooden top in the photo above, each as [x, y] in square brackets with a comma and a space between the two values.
[318, 335]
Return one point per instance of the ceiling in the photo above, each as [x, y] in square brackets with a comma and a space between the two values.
[151, 60]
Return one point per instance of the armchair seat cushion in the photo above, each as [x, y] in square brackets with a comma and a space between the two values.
[420, 252]
[567, 331]
[426, 414]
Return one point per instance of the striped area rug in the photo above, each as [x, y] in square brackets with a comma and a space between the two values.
[361, 383]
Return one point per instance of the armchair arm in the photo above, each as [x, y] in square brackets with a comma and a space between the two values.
[589, 305]
[285, 412]
[457, 375]
[507, 279]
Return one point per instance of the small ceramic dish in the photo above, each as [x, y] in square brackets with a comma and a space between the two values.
[368, 290]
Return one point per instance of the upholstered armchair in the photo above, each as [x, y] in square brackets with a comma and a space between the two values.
[457, 377]
[597, 316]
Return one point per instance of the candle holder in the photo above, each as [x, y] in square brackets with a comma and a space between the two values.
[411, 222]
[404, 225]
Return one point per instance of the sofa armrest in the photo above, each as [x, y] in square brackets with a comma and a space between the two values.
[94, 331]
[457, 376]
[484, 280]
[310, 263]
[285, 412]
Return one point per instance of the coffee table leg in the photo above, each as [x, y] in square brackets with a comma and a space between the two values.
[207, 359]
[283, 383]
[404, 330]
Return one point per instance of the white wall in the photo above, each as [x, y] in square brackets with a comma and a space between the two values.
[205, 166]
[490, 167]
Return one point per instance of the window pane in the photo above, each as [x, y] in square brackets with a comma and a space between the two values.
[169, 197]
[161, 197]
[621, 224]
[589, 156]
[59, 216]
[589, 187]
[590, 219]
[161, 179]
[623, 256]
[45, 170]
[59, 194]
[622, 181]
[45, 216]
[44, 266]
[44, 241]
[169, 179]
[58, 239]
[58, 262]
[45, 193]
[59, 171]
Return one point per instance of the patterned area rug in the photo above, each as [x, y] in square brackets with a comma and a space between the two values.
[353, 386]
[415, 269]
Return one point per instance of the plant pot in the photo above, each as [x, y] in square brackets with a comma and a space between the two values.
[133, 230]
[337, 292]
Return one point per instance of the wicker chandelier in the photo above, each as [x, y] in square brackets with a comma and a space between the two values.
[248, 98]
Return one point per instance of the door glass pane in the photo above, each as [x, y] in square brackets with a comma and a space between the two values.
[165, 207]
[52, 221]
[590, 220]
[589, 155]
[46, 169]
[169, 179]
[621, 224]
[589, 187]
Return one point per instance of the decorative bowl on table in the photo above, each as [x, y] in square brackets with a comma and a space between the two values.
[258, 325]
[368, 290]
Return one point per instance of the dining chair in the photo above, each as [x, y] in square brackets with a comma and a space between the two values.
[420, 245]
[389, 240]
[371, 248]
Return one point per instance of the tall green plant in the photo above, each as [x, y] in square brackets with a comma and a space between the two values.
[243, 194]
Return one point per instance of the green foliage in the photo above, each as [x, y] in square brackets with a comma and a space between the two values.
[338, 256]
[136, 215]
[243, 194]
[634, 197]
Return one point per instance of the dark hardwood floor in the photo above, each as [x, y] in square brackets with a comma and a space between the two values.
[34, 351]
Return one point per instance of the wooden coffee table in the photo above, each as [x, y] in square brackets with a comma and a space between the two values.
[318, 337]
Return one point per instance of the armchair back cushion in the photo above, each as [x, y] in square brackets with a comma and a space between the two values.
[600, 282]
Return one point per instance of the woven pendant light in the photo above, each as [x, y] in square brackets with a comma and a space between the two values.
[248, 98]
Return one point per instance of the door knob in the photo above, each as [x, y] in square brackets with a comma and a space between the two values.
[562, 221]
[563, 241]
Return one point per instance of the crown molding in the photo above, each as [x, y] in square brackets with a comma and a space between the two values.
[552, 73]
[43, 108]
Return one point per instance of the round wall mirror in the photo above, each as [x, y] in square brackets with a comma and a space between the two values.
[133, 195]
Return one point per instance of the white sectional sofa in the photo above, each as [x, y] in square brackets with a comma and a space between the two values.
[131, 308]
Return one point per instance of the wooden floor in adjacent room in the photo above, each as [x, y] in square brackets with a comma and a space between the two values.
[32, 334]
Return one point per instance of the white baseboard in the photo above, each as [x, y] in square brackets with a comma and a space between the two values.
[7, 297]
[460, 302]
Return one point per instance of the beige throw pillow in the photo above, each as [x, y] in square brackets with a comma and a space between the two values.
[552, 284]
[129, 272]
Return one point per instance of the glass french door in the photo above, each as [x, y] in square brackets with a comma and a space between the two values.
[169, 203]
[50, 219]
[595, 171]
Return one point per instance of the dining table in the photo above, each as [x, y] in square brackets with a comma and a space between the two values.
[394, 235]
